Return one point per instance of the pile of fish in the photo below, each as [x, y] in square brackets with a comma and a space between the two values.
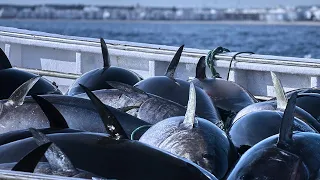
[113, 124]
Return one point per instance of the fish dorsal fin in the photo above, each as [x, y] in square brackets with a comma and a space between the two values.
[286, 128]
[126, 88]
[58, 160]
[190, 120]
[201, 68]
[174, 63]
[4, 61]
[112, 125]
[30, 161]
[280, 95]
[55, 118]
[17, 97]
[105, 53]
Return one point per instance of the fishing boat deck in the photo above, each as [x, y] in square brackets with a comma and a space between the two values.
[62, 59]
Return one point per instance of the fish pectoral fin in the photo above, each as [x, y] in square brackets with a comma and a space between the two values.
[55, 118]
[110, 121]
[57, 159]
[18, 96]
[29, 162]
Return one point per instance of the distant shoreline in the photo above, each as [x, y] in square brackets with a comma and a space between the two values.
[302, 23]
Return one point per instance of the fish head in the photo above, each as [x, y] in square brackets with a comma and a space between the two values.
[205, 144]
[269, 163]
[192, 145]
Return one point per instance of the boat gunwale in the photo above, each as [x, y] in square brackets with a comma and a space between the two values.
[151, 48]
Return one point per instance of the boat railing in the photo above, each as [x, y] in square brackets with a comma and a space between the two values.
[64, 58]
[16, 175]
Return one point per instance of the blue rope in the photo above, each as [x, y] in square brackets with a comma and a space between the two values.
[139, 128]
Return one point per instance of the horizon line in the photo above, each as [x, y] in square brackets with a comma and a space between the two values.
[139, 5]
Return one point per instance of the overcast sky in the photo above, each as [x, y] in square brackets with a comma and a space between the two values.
[178, 3]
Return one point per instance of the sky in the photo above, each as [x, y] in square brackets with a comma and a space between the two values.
[178, 3]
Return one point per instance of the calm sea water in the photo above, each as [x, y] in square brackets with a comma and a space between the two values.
[283, 40]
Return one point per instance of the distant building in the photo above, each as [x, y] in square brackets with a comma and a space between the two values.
[240, 15]
[44, 12]
[25, 13]
[277, 14]
[253, 14]
[206, 14]
[8, 13]
[153, 13]
[92, 12]
[315, 13]
[106, 14]
[291, 14]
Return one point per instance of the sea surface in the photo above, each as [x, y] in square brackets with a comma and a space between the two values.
[283, 40]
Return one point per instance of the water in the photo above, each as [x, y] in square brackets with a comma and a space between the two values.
[283, 40]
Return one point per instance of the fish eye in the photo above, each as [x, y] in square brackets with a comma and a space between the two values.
[207, 156]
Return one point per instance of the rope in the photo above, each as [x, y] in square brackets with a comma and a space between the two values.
[234, 58]
[137, 129]
[210, 58]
